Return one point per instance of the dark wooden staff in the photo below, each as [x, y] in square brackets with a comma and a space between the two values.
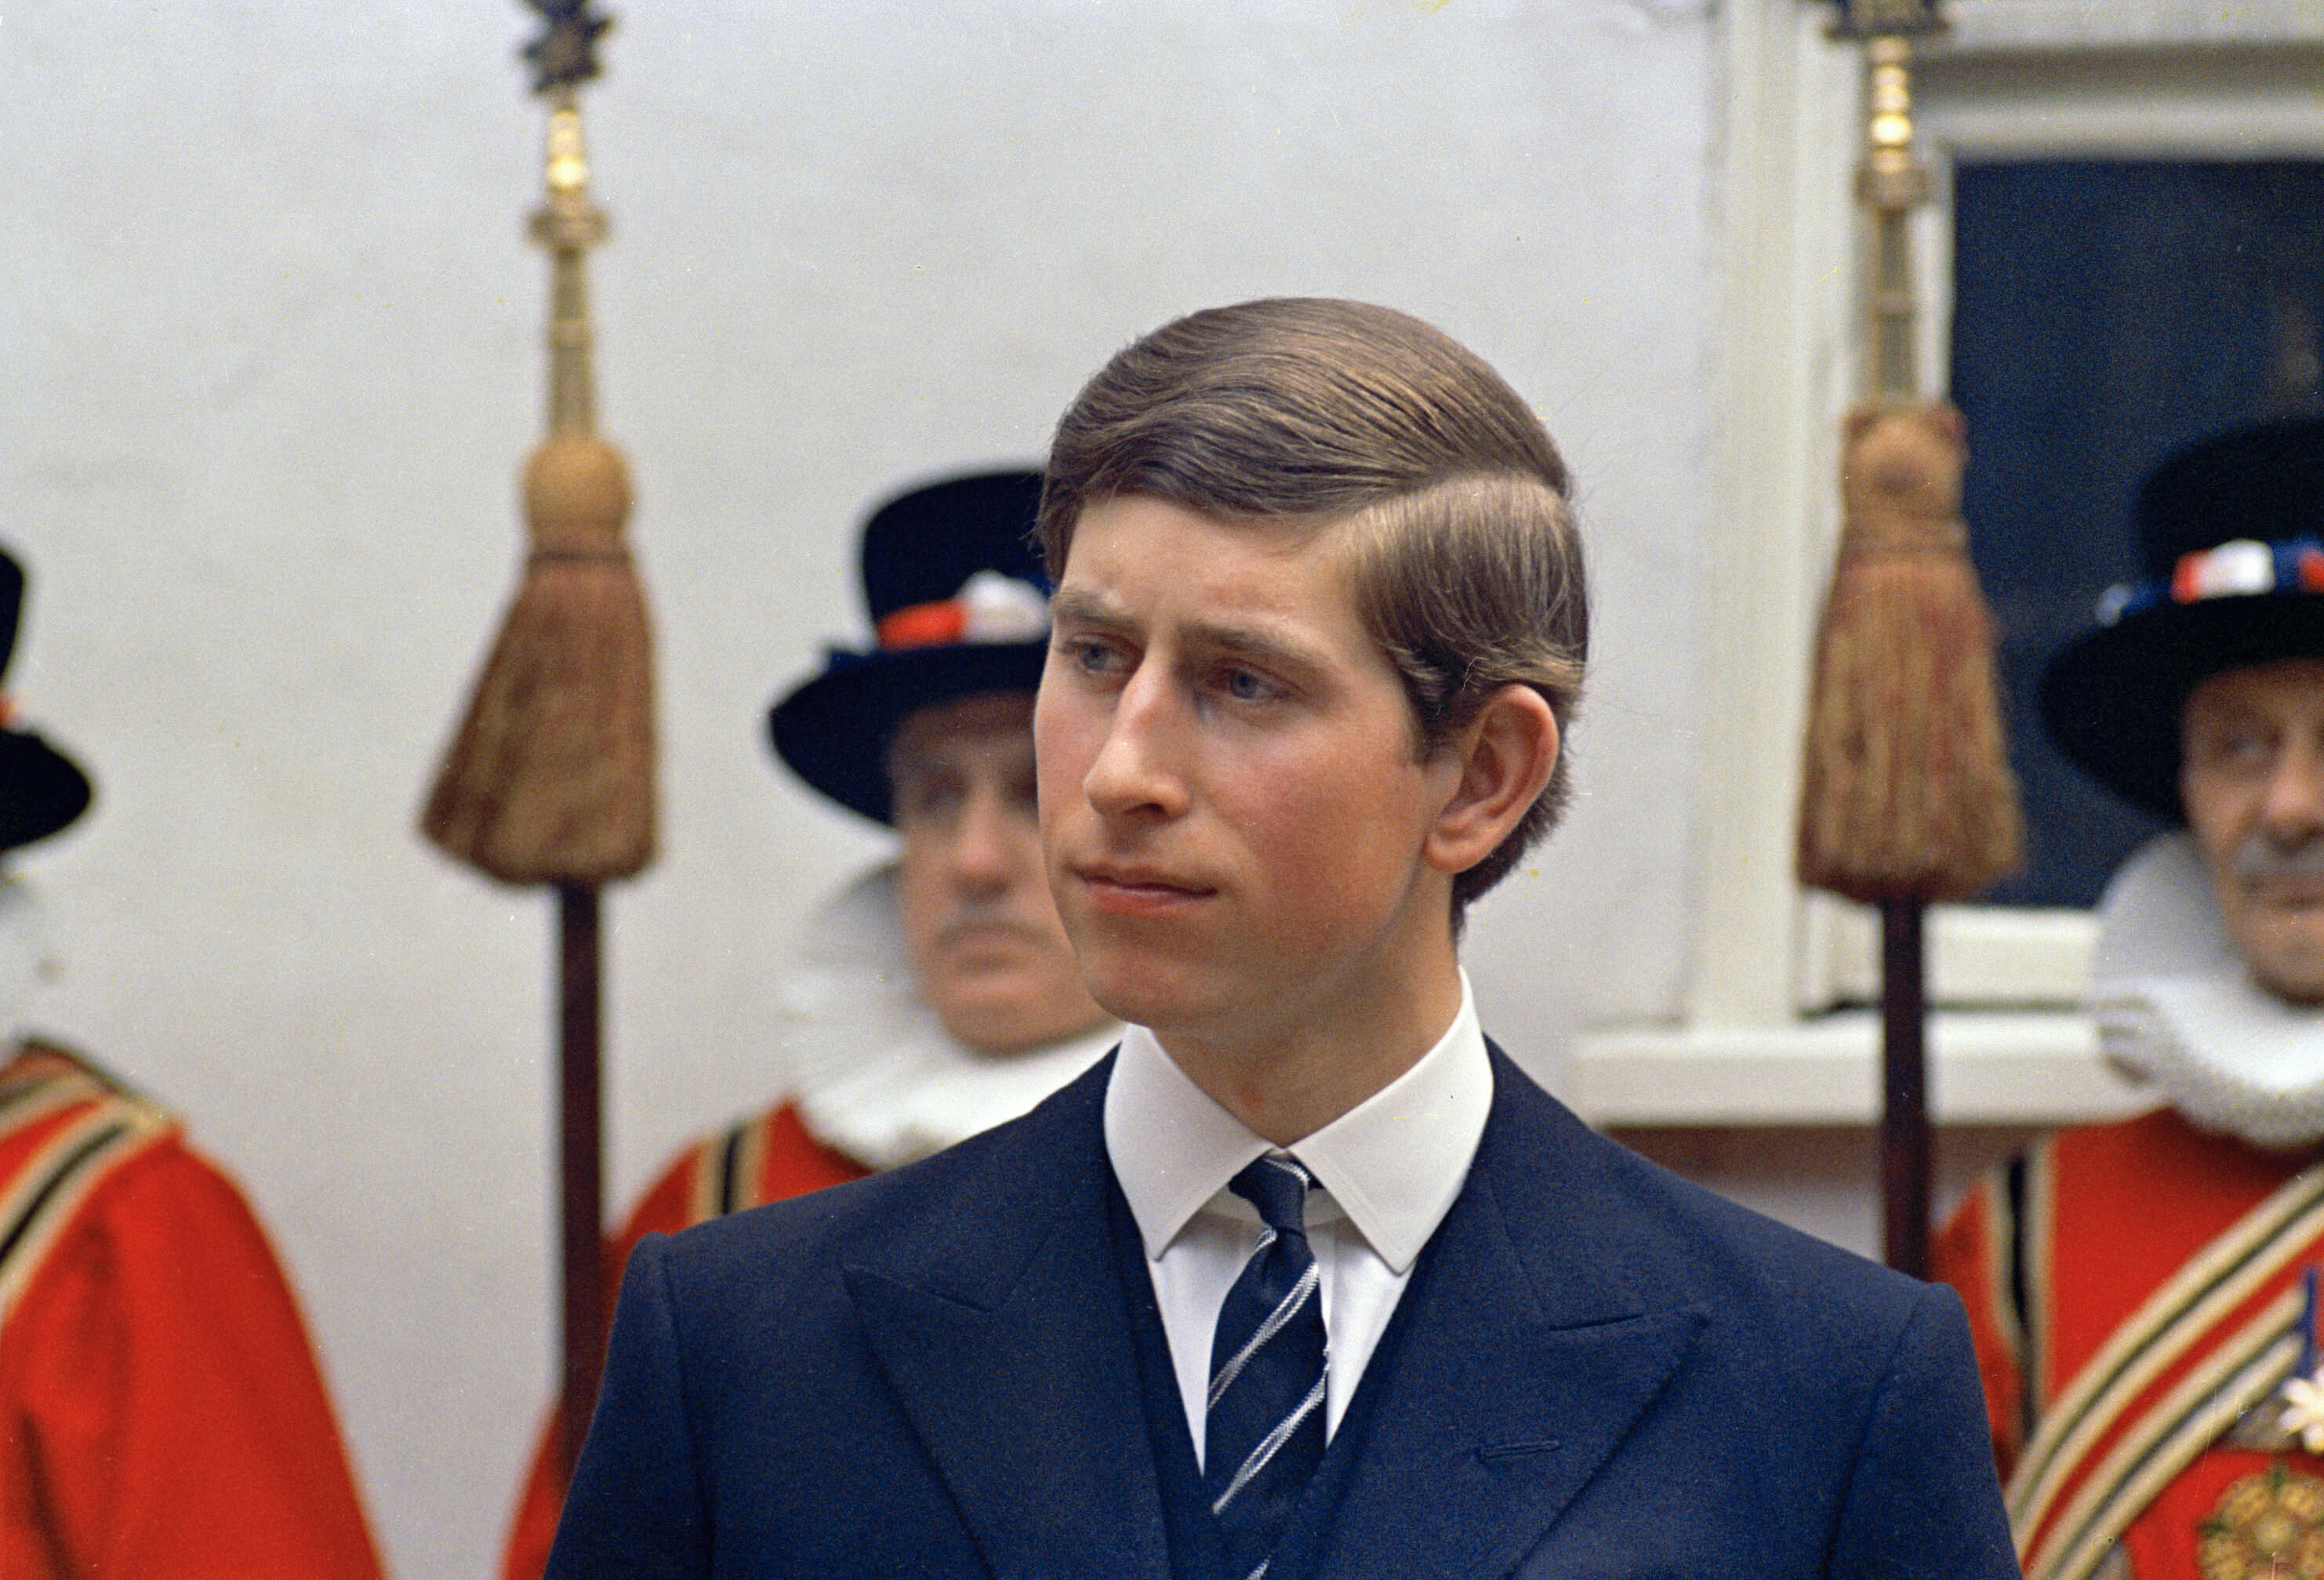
[549, 779]
[1906, 796]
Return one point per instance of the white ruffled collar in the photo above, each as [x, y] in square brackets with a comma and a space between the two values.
[26, 958]
[2177, 1009]
[872, 1071]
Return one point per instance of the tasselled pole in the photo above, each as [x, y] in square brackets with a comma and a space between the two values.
[1906, 793]
[549, 777]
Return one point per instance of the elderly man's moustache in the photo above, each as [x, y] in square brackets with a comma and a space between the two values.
[985, 921]
[2260, 857]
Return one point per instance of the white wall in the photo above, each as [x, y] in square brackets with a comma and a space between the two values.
[271, 335]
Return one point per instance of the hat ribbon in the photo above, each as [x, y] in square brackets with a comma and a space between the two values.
[2240, 568]
[990, 607]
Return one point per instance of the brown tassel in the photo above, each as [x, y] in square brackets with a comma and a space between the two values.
[550, 778]
[1907, 788]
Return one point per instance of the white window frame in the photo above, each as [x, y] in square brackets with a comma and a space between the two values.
[2161, 79]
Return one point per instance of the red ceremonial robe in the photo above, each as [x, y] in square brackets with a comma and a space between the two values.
[2064, 1263]
[161, 1409]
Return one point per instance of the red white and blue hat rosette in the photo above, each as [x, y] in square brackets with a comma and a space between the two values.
[2231, 535]
[959, 607]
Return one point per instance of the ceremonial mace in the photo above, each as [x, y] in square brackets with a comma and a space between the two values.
[549, 779]
[1906, 796]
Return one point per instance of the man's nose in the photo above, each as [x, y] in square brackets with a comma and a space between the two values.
[1136, 770]
[995, 844]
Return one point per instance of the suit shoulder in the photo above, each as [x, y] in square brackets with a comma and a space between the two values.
[988, 1191]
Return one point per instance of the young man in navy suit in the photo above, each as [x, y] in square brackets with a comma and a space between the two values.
[1307, 1280]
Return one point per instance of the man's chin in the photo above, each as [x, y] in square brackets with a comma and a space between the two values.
[2286, 951]
[1005, 1019]
[1160, 999]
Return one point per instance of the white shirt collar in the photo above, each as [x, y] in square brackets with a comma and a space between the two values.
[1393, 1163]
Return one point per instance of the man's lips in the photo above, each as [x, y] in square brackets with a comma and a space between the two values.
[987, 931]
[1134, 890]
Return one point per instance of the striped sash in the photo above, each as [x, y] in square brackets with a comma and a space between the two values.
[2210, 1343]
[766, 1158]
[724, 1172]
[63, 1130]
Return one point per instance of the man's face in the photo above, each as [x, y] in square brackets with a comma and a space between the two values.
[982, 932]
[1233, 810]
[2252, 784]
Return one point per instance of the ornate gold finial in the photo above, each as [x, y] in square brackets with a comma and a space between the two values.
[1892, 176]
[568, 160]
[569, 225]
[567, 221]
[1891, 181]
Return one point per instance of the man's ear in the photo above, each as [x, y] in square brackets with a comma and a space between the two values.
[1506, 756]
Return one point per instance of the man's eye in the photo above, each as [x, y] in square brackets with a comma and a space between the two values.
[1092, 658]
[927, 801]
[1247, 686]
[2236, 749]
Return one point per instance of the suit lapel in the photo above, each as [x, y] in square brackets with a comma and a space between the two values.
[1013, 1358]
[1521, 1366]
[1519, 1371]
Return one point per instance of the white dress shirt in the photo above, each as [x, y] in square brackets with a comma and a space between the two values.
[1385, 1171]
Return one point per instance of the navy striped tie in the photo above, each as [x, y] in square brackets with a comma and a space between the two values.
[1264, 1436]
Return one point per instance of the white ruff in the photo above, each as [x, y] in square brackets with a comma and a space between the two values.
[2177, 1009]
[873, 1071]
[26, 960]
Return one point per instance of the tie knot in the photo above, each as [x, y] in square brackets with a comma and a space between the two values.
[1278, 1188]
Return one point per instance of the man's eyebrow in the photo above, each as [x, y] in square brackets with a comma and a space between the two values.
[1081, 606]
[914, 754]
[2226, 710]
[1276, 650]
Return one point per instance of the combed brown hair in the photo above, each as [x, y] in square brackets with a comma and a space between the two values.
[1449, 495]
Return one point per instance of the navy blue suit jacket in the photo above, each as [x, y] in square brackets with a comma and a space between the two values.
[1605, 1371]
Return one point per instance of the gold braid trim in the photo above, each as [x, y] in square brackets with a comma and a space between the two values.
[2166, 1325]
[2232, 1379]
[726, 1171]
[2038, 1251]
[40, 1200]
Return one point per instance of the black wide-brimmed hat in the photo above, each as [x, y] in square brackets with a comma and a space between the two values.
[41, 789]
[959, 607]
[2231, 538]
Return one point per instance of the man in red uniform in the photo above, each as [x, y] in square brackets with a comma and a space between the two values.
[161, 1410]
[935, 996]
[2144, 1293]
